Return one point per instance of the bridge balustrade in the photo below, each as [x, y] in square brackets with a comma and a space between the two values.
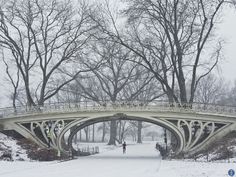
[109, 106]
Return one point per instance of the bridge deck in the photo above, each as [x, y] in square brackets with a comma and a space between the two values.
[124, 106]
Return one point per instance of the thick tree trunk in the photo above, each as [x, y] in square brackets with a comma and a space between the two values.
[182, 87]
[103, 132]
[86, 130]
[112, 140]
[80, 135]
[30, 101]
[140, 126]
[93, 132]
[14, 99]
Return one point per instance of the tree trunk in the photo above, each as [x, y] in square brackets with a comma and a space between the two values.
[14, 99]
[103, 131]
[86, 130]
[93, 132]
[139, 132]
[112, 140]
[30, 101]
[120, 132]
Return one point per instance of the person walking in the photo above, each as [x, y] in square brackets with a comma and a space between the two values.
[157, 146]
[124, 147]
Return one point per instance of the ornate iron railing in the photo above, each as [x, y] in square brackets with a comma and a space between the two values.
[109, 106]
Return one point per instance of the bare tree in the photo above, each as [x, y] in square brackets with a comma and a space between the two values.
[210, 90]
[152, 134]
[138, 126]
[229, 97]
[143, 88]
[104, 127]
[117, 80]
[109, 82]
[232, 95]
[46, 39]
[170, 38]
[139, 132]
[13, 81]
[122, 128]
[131, 131]
[70, 93]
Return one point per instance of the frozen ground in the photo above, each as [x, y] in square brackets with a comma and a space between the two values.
[139, 161]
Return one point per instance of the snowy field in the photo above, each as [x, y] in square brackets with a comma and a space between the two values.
[139, 161]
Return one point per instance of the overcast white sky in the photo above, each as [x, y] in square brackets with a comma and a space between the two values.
[228, 32]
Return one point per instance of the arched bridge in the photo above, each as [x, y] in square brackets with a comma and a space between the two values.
[195, 127]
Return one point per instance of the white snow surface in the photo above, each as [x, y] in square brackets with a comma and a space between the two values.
[140, 160]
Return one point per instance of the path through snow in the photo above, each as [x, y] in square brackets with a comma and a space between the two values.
[140, 160]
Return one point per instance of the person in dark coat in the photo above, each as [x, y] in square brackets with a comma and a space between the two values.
[124, 147]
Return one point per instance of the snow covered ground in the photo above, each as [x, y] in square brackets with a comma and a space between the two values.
[10, 145]
[141, 160]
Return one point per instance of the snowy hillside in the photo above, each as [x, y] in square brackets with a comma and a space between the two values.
[9, 146]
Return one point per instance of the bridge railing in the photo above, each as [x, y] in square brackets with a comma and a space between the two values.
[109, 106]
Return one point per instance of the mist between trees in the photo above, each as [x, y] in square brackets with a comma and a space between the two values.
[143, 50]
[127, 130]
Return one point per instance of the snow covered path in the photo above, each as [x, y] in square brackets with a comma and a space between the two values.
[139, 161]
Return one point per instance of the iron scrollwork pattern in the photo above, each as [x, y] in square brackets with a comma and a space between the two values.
[196, 132]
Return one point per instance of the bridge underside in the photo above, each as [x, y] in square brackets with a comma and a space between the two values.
[193, 131]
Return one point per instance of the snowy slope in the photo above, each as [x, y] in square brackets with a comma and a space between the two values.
[8, 144]
[139, 161]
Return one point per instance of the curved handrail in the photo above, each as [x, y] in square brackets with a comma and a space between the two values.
[109, 106]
